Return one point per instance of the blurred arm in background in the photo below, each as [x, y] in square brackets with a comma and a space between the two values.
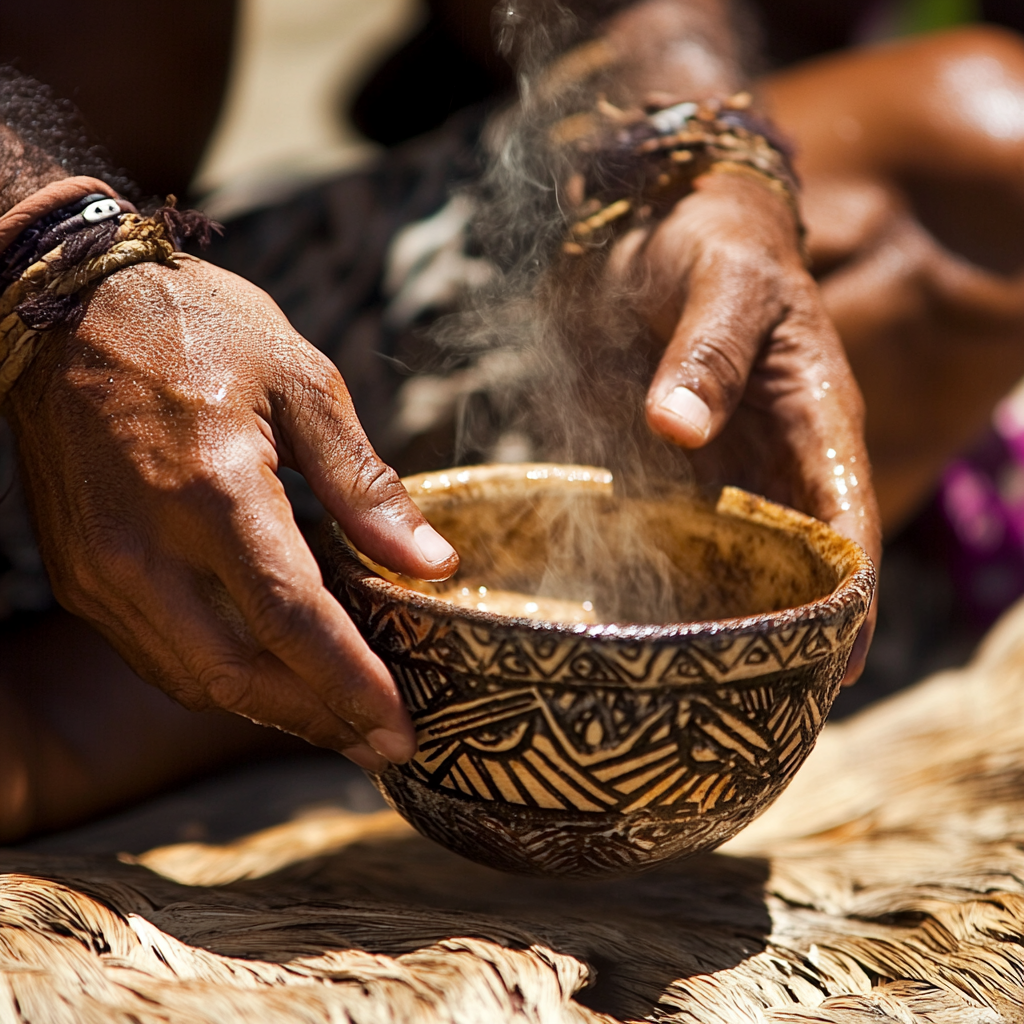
[912, 156]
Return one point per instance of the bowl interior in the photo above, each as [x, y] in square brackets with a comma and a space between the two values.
[561, 545]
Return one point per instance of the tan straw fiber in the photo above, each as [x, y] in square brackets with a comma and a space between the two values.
[887, 885]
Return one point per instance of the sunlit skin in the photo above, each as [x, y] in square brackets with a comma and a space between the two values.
[179, 547]
[899, 147]
[162, 520]
[753, 377]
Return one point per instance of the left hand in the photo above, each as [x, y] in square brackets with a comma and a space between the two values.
[754, 378]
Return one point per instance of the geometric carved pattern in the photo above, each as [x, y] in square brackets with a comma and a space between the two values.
[601, 749]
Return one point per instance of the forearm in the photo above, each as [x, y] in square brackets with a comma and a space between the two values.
[634, 53]
[672, 50]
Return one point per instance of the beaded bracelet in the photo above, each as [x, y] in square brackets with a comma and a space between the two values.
[629, 169]
[48, 232]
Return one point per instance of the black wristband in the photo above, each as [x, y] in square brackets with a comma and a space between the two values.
[48, 232]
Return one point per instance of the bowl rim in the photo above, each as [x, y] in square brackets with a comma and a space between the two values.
[856, 570]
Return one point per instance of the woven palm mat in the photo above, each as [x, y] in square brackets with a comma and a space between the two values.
[886, 885]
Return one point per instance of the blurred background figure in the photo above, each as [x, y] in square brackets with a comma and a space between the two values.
[241, 95]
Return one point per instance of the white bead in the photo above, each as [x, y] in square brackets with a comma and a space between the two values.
[673, 119]
[102, 209]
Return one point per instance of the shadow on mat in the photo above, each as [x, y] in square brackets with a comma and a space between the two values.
[333, 880]
[637, 934]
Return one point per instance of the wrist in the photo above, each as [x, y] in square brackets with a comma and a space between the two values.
[54, 254]
[631, 169]
[756, 194]
[85, 364]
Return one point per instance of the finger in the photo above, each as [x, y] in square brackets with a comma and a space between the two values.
[816, 403]
[730, 309]
[254, 547]
[174, 636]
[225, 666]
[813, 397]
[861, 646]
[363, 493]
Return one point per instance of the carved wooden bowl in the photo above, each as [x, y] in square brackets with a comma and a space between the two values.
[721, 633]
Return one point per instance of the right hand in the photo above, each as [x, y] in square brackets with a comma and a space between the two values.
[150, 438]
[752, 376]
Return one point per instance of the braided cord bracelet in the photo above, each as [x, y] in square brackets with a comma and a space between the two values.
[138, 240]
[59, 253]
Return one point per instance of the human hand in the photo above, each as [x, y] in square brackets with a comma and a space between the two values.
[150, 438]
[753, 377]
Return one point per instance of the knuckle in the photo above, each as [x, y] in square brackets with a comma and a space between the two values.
[325, 730]
[118, 557]
[224, 684]
[744, 260]
[190, 694]
[204, 479]
[106, 556]
[376, 484]
[343, 703]
[718, 361]
[74, 585]
[800, 278]
[277, 612]
[204, 471]
[314, 382]
[323, 374]
[756, 274]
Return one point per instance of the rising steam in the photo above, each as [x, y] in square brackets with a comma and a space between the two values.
[564, 360]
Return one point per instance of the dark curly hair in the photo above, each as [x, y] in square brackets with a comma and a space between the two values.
[53, 135]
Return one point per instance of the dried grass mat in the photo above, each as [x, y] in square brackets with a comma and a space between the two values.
[886, 885]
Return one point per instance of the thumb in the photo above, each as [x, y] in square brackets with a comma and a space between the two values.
[361, 491]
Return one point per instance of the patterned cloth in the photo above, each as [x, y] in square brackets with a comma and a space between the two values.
[337, 261]
[982, 500]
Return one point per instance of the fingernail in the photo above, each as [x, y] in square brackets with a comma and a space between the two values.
[433, 547]
[393, 745]
[366, 758]
[684, 405]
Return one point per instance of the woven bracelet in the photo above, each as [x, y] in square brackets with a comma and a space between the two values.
[44, 283]
[630, 169]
